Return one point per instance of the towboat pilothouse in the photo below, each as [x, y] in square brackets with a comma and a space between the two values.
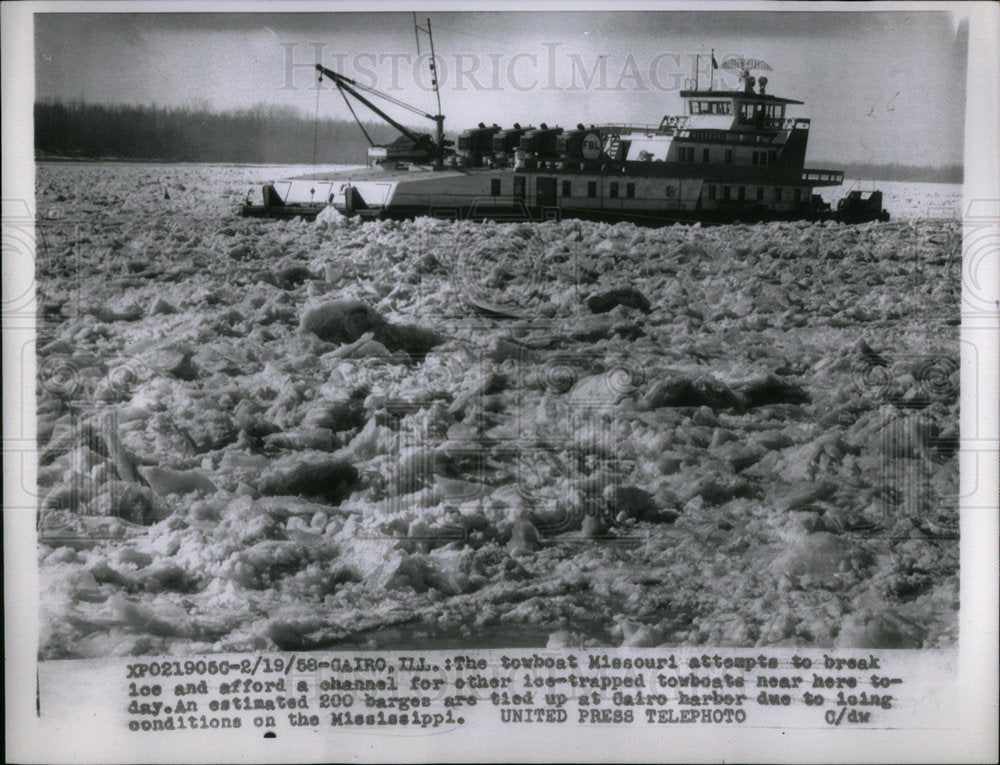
[733, 155]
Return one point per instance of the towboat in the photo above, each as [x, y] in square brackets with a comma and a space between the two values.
[733, 155]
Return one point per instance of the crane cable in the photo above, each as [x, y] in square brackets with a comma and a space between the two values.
[316, 121]
[354, 114]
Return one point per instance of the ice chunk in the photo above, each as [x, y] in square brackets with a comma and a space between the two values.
[164, 480]
[822, 556]
[629, 297]
[879, 629]
[347, 321]
[331, 479]
[685, 391]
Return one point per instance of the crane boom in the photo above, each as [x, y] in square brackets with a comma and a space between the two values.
[346, 83]
[351, 86]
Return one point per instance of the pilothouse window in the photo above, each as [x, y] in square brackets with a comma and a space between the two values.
[711, 107]
[749, 113]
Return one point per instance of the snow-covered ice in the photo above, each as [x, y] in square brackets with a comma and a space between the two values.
[264, 434]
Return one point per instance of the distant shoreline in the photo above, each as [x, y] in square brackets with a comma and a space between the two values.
[55, 160]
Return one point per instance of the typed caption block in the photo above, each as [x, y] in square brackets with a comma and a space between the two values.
[323, 693]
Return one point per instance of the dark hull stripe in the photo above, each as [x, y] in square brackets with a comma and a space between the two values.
[665, 217]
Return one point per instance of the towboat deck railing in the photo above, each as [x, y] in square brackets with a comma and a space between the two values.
[787, 123]
[622, 128]
[682, 126]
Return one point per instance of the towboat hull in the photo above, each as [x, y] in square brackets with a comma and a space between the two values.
[506, 194]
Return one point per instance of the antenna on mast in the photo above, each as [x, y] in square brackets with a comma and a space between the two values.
[744, 66]
[439, 117]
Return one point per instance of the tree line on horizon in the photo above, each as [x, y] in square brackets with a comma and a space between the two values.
[269, 134]
[258, 135]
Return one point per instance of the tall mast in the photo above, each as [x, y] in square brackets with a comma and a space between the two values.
[439, 117]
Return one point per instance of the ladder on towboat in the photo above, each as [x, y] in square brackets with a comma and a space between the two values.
[614, 148]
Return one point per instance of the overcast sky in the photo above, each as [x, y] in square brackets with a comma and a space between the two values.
[879, 86]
